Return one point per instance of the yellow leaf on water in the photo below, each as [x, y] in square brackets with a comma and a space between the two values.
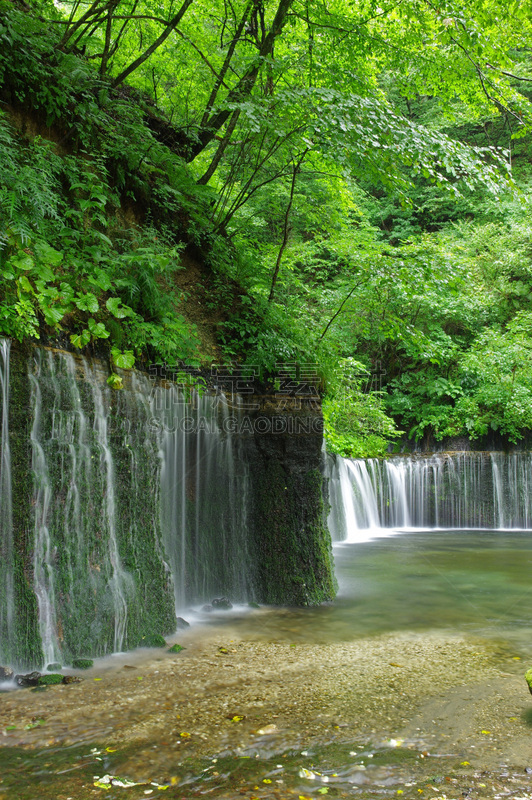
[184, 735]
[266, 780]
[486, 732]
[237, 718]
[110, 750]
[464, 763]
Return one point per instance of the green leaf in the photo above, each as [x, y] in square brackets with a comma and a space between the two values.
[25, 285]
[98, 329]
[53, 314]
[48, 254]
[101, 279]
[87, 302]
[81, 339]
[115, 382]
[123, 359]
[114, 305]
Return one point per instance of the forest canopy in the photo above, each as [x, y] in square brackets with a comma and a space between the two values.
[350, 178]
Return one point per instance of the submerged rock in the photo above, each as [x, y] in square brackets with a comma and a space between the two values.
[222, 603]
[6, 674]
[528, 678]
[181, 623]
[31, 679]
[208, 608]
[71, 679]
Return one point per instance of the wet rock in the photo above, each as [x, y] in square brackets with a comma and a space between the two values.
[181, 623]
[31, 679]
[253, 605]
[71, 679]
[528, 678]
[55, 667]
[222, 604]
[82, 663]
[50, 680]
[208, 608]
[6, 674]
[129, 666]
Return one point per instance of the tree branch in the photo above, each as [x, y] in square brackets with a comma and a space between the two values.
[286, 230]
[153, 47]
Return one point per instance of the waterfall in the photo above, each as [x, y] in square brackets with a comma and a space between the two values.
[445, 490]
[139, 506]
[204, 495]
[7, 598]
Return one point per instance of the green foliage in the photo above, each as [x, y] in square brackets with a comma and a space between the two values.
[356, 424]
[58, 268]
[397, 241]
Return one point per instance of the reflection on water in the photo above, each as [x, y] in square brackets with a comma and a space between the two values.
[476, 581]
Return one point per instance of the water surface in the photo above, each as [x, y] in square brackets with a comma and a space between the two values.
[475, 581]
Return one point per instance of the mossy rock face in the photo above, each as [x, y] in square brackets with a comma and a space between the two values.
[50, 680]
[53, 667]
[528, 678]
[153, 640]
[176, 648]
[82, 663]
[289, 546]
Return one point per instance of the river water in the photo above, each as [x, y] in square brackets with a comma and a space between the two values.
[471, 581]
[369, 696]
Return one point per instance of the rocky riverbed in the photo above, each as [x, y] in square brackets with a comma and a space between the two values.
[404, 715]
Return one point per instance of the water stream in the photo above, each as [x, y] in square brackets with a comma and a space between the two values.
[7, 599]
[445, 490]
[139, 506]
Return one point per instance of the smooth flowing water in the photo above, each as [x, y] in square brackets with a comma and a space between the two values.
[443, 490]
[7, 600]
[462, 580]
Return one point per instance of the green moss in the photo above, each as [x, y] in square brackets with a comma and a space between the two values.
[176, 648]
[21, 645]
[82, 663]
[50, 680]
[528, 678]
[152, 640]
[291, 545]
[295, 556]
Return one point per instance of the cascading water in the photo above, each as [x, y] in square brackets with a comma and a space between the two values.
[139, 505]
[204, 488]
[445, 490]
[7, 598]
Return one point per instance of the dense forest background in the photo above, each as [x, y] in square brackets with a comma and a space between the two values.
[333, 191]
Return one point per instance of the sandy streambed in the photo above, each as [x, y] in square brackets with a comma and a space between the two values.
[450, 704]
